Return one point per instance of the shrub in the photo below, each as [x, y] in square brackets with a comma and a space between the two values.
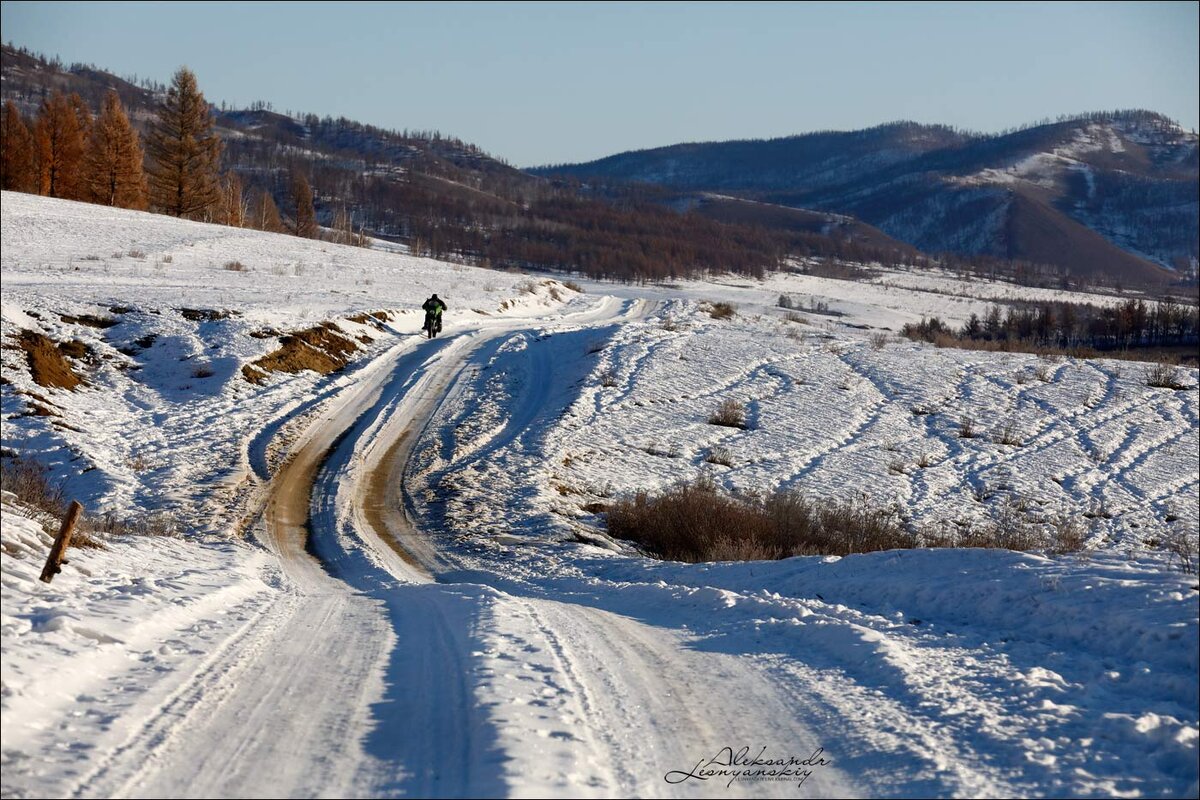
[879, 341]
[235, 266]
[1067, 535]
[27, 479]
[1164, 376]
[721, 310]
[1007, 434]
[966, 427]
[696, 522]
[573, 286]
[720, 455]
[731, 413]
[1182, 545]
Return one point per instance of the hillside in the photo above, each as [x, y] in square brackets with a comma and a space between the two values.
[445, 198]
[1105, 194]
[400, 576]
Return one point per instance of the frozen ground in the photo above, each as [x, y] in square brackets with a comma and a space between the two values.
[313, 634]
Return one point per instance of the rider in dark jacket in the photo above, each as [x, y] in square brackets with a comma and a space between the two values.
[433, 308]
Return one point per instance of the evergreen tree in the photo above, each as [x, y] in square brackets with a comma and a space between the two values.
[113, 162]
[264, 214]
[306, 215]
[184, 152]
[17, 172]
[83, 114]
[58, 148]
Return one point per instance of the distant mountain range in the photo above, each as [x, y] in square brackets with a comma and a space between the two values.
[1105, 196]
[1111, 194]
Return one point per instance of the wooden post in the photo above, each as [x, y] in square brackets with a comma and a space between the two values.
[61, 542]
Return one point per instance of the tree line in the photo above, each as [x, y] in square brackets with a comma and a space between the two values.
[66, 152]
[1131, 324]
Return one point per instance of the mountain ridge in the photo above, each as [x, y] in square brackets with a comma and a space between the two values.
[1128, 176]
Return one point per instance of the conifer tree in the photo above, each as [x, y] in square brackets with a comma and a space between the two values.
[306, 215]
[264, 214]
[17, 172]
[184, 152]
[58, 148]
[113, 162]
[83, 114]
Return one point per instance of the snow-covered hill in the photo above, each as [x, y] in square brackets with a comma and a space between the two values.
[501, 644]
[1099, 194]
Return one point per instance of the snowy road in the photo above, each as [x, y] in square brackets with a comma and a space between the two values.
[370, 677]
[435, 609]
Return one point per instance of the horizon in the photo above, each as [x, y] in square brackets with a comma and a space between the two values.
[615, 97]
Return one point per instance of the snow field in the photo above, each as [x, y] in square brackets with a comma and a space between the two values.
[948, 672]
[181, 428]
[548, 659]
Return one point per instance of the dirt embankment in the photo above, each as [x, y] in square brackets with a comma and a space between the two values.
[325, 348]
[48, 365]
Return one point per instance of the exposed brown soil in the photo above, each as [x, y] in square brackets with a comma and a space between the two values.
[322, 349]
[39, 410]
[47, 365]
[76, 349]
[89, 320]
[370, 317]
[380, 493]
[204, 314]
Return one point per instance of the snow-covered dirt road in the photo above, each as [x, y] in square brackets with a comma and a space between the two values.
[394, 580]
[367, 676]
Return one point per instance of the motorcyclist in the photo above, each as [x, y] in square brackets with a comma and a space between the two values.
[433, 313]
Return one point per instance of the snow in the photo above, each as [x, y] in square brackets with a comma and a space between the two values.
[156, 450]
[508, 646]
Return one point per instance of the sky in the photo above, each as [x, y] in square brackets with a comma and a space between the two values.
[543, 83]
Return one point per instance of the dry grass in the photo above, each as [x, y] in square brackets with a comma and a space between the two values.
[1183, 548]
[722, 310]
[696, 522]
[720, 455]
[730, 413]
[234, 266]
[1007, 434]
[28, 480]
[966, 427]
[1164, 376]
[879, 341]
[608, 378]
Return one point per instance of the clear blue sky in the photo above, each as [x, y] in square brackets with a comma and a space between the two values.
[536, 83]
